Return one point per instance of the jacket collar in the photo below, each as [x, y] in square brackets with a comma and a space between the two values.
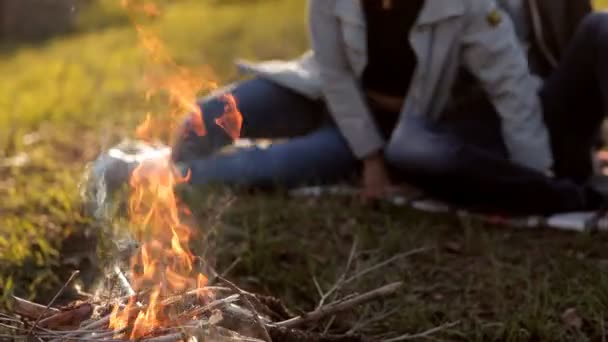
[437, 10]
[433, 11]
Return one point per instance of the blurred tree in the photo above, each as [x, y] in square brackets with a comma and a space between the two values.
[37, 19]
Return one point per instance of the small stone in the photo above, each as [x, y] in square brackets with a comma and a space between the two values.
[438, 296]
[453, 247]
[572, 318]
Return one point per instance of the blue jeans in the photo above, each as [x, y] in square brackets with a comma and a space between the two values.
[313, 152]
[478, 174]
[460, 158]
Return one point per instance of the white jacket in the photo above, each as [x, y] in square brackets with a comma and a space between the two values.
[448, 34]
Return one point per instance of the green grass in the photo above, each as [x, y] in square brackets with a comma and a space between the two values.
[63, 101]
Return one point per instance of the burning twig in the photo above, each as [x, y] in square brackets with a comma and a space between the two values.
[340, 306]
[65, 285]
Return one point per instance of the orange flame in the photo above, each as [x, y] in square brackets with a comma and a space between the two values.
[147, 321]
[232, 120]
[164, 264]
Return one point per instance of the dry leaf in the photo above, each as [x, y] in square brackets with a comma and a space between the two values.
[215, 317]
[18, 160]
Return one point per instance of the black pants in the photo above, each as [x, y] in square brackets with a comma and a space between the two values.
[463, 159]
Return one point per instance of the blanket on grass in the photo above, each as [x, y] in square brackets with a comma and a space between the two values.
[575, 221]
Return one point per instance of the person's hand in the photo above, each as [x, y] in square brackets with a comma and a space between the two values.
[376, 181]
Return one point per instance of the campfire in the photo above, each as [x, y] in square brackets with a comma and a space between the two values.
[165, 293]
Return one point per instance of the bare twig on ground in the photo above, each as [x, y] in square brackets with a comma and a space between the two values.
[343, 280]
[340, 306]
[288, 334]
[231, 266]
[409, 337]
[65, 285]
[338, 284]
[317, 286]
[176, 337]
[384, 263]
[191, 293]
[376, 318]
[250, 306]
[329, 324]
[228, 300]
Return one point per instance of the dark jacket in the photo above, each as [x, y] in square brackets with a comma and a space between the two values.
[553, 23]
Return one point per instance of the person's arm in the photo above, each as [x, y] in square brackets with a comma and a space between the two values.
[491, 52]
[339, 83]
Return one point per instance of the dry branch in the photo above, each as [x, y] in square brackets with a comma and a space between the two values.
[70, 317]
[340, 282]
[123, 281]
[250, 306]
[31, 310]
[385, 263]
[340, 306]
[87, 329]
[209, 333]
[65, 285]
[409, 337]
[282, 334]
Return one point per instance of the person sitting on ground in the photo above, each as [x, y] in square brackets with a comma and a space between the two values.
[566, 44]
[378, 93]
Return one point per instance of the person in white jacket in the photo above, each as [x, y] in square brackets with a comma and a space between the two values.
[381, 92]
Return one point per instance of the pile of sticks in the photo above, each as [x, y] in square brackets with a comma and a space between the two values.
[229, 314]
[233, 315]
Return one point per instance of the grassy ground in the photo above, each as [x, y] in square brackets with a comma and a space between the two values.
[63, 101]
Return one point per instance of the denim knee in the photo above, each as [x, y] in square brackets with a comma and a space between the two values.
[427, 158]
[190, 142]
